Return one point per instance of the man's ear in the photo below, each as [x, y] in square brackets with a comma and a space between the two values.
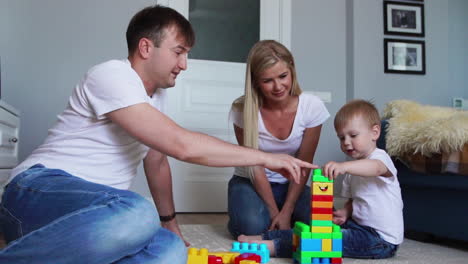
[375, 132]
[145, 47]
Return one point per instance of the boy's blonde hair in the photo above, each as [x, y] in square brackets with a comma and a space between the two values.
[357, 107]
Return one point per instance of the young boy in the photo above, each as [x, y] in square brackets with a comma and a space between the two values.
[372, 218]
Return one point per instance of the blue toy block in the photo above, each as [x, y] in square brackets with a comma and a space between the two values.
[337, 245]
[320, 261]
[263, 251]
[311, 244]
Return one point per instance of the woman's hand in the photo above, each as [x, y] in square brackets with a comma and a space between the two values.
[288, 166]
[281, 221]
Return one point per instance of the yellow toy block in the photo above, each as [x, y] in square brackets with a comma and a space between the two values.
[247, 262]
[196, 256]
[228, 257]
[322, 229]
[326, 245]
[322, 188]
[317, 204]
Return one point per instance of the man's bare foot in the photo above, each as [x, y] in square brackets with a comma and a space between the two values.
[258, 240]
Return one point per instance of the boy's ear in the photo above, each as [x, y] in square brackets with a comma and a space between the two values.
[375, 132]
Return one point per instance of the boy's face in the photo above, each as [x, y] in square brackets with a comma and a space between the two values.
[357, 138]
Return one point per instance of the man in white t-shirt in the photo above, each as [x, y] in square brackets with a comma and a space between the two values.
[68, 203]
[372, 218]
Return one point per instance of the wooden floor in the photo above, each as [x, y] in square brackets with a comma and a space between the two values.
[202, 219]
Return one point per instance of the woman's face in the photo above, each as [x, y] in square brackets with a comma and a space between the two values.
[275, 82]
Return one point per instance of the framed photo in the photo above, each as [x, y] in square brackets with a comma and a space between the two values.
[403, 18]
[404, 56]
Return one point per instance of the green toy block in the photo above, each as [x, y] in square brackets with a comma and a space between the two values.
[321, 223]
[337, 235]
[301, 227]
[321, 235]
[318, 177]
[320, 254]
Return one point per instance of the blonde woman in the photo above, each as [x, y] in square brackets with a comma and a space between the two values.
[274, 116]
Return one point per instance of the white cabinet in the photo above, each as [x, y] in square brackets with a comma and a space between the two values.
[9, 140]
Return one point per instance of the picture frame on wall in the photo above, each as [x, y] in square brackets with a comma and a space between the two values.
[404, 56]
[403, 18]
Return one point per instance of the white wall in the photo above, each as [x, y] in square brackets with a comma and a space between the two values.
[319, 49]
[50, 45]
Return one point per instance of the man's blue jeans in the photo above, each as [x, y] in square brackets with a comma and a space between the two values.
[50, 216]
[248, 214]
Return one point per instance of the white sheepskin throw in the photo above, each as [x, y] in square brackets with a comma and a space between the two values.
[415, 128]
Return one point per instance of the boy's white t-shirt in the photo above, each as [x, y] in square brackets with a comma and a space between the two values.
[311, 112]
[377, 200]
[84, 142]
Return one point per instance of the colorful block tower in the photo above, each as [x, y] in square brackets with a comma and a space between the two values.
[321, 242]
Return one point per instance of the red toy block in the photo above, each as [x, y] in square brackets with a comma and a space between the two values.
[214, 260]
[247, 256]
[322, 198]
[336, 260]
[321, 210]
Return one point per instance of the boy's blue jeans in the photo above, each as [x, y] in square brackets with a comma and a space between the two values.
[50, 216]
[248, 214]
[364, 242]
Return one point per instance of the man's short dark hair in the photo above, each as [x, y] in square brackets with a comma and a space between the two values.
[151, 23]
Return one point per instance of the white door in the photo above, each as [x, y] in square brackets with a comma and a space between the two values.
[201, 101]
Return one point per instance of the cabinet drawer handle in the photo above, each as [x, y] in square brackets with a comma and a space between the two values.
[13, 140]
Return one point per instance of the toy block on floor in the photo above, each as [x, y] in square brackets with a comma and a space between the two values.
[261, 250]
[248, 256]
[196, 256]
[321, 242]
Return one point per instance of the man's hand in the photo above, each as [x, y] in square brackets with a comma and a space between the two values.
[288, 166]
[174, 227]
[332, 169]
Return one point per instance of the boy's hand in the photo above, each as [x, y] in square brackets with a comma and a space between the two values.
[340, 216]
[332, 169]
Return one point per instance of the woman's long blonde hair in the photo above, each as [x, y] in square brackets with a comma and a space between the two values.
[263, 55]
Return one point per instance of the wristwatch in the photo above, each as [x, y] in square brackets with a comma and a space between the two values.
[167, 218]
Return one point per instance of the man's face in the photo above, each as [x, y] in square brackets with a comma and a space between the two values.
[168, 60]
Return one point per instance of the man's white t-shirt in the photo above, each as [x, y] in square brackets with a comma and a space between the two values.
[84, 142]
[377, 200]
[311, 112]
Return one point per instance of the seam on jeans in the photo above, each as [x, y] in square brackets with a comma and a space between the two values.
[19, 187]
[56, 221]
[19, 221]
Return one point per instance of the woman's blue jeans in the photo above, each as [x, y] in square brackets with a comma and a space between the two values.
[50, 216]
[248, 214]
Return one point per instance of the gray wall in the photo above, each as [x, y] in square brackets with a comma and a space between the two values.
[46, 47]
[458, 46]
[49, 45]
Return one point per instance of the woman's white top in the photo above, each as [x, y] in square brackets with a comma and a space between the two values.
[311, 112]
